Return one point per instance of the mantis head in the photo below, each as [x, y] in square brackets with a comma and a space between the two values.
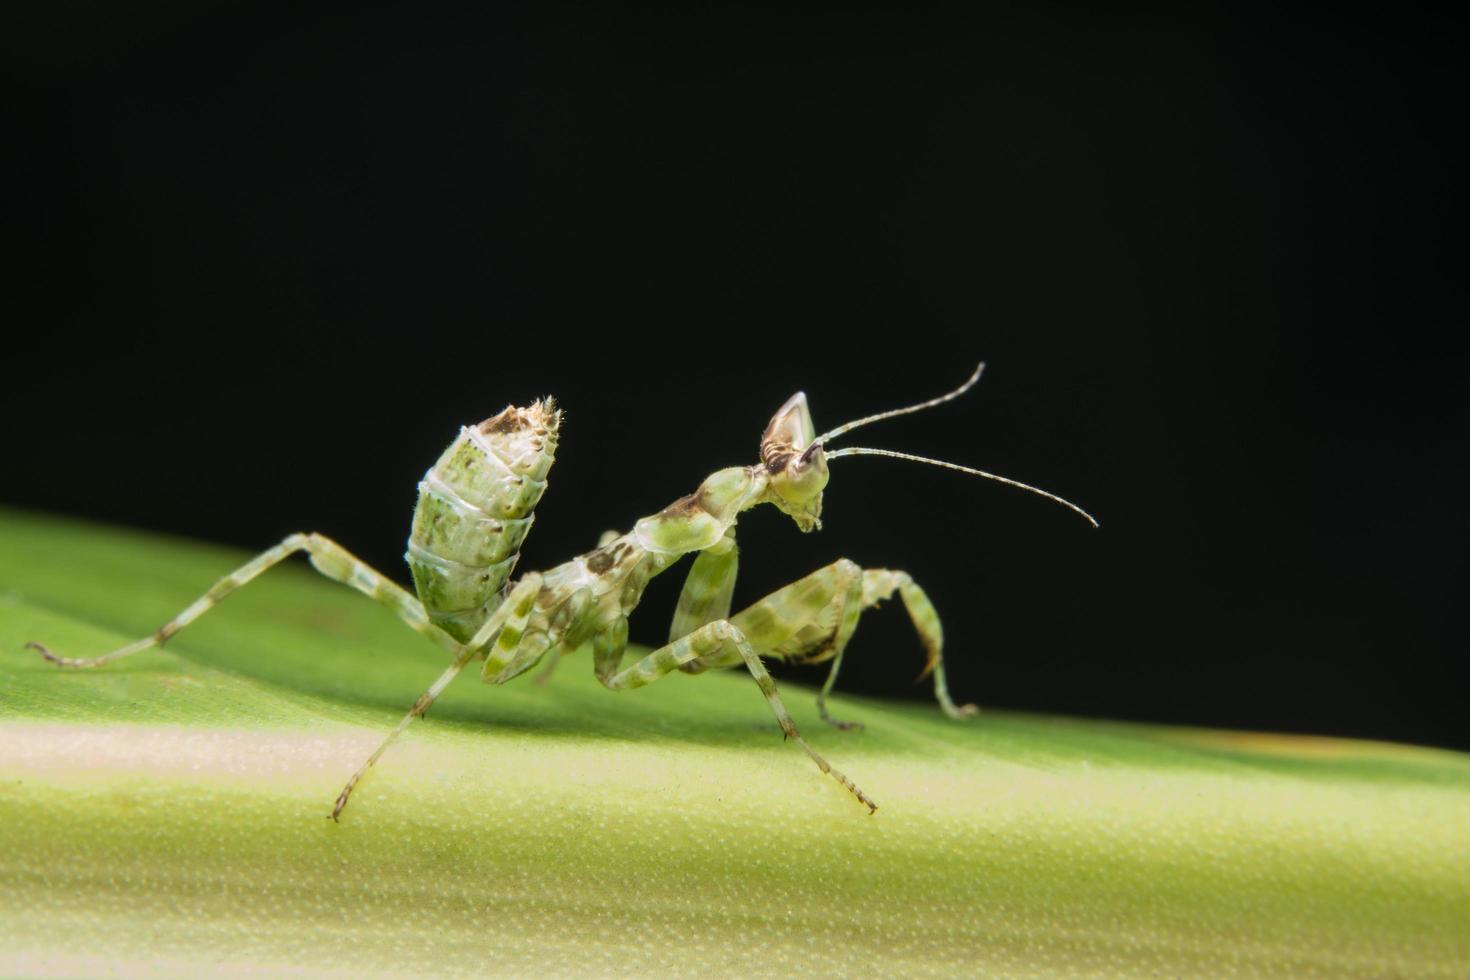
[795, 457]
[795, 465]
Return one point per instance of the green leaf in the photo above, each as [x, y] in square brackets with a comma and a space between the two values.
[167, 813]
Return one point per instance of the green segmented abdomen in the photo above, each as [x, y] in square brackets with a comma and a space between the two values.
[475, 508]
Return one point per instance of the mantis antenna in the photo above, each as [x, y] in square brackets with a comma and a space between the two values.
[849, 426]
[859, 451]
[969, 383]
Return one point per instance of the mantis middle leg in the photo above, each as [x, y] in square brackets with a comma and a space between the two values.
[715, 641]
[879, 584]
[814, 618]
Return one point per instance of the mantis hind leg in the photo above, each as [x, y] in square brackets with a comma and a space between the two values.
[720, 641]
[507, 621]
[327, 557]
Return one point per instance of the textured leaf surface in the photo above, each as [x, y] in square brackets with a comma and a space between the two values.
[166, 814]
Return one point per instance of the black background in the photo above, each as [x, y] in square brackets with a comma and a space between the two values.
[270, 258]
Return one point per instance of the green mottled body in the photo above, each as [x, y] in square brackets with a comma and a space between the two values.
[474, 510]
[593, 594]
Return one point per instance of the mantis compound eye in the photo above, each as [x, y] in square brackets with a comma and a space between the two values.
[792, 455]
[803, 476]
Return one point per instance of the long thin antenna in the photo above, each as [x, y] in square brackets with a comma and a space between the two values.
[859, 451]
[849, 426]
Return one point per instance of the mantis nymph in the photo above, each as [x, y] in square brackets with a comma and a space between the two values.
[475, 508]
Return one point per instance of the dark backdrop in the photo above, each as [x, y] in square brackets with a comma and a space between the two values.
[271, 258]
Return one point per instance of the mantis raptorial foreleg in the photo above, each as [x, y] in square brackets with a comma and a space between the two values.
[327, 557]
[708, 588]
[722, 641]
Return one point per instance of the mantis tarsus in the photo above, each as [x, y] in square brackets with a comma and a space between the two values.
[475, 508]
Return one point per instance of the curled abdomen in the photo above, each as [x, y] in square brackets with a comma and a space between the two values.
[474, 510]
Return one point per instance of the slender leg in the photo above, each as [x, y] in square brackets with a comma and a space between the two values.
[711, 640]
[878, 584]
[328, 557]
[516, 606]
[418, 710]
[814, 618]
[809, 621]
[850, 608]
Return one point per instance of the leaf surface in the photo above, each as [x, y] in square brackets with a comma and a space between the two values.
[166, 814]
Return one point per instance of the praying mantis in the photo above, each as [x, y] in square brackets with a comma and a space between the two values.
[475, 508]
